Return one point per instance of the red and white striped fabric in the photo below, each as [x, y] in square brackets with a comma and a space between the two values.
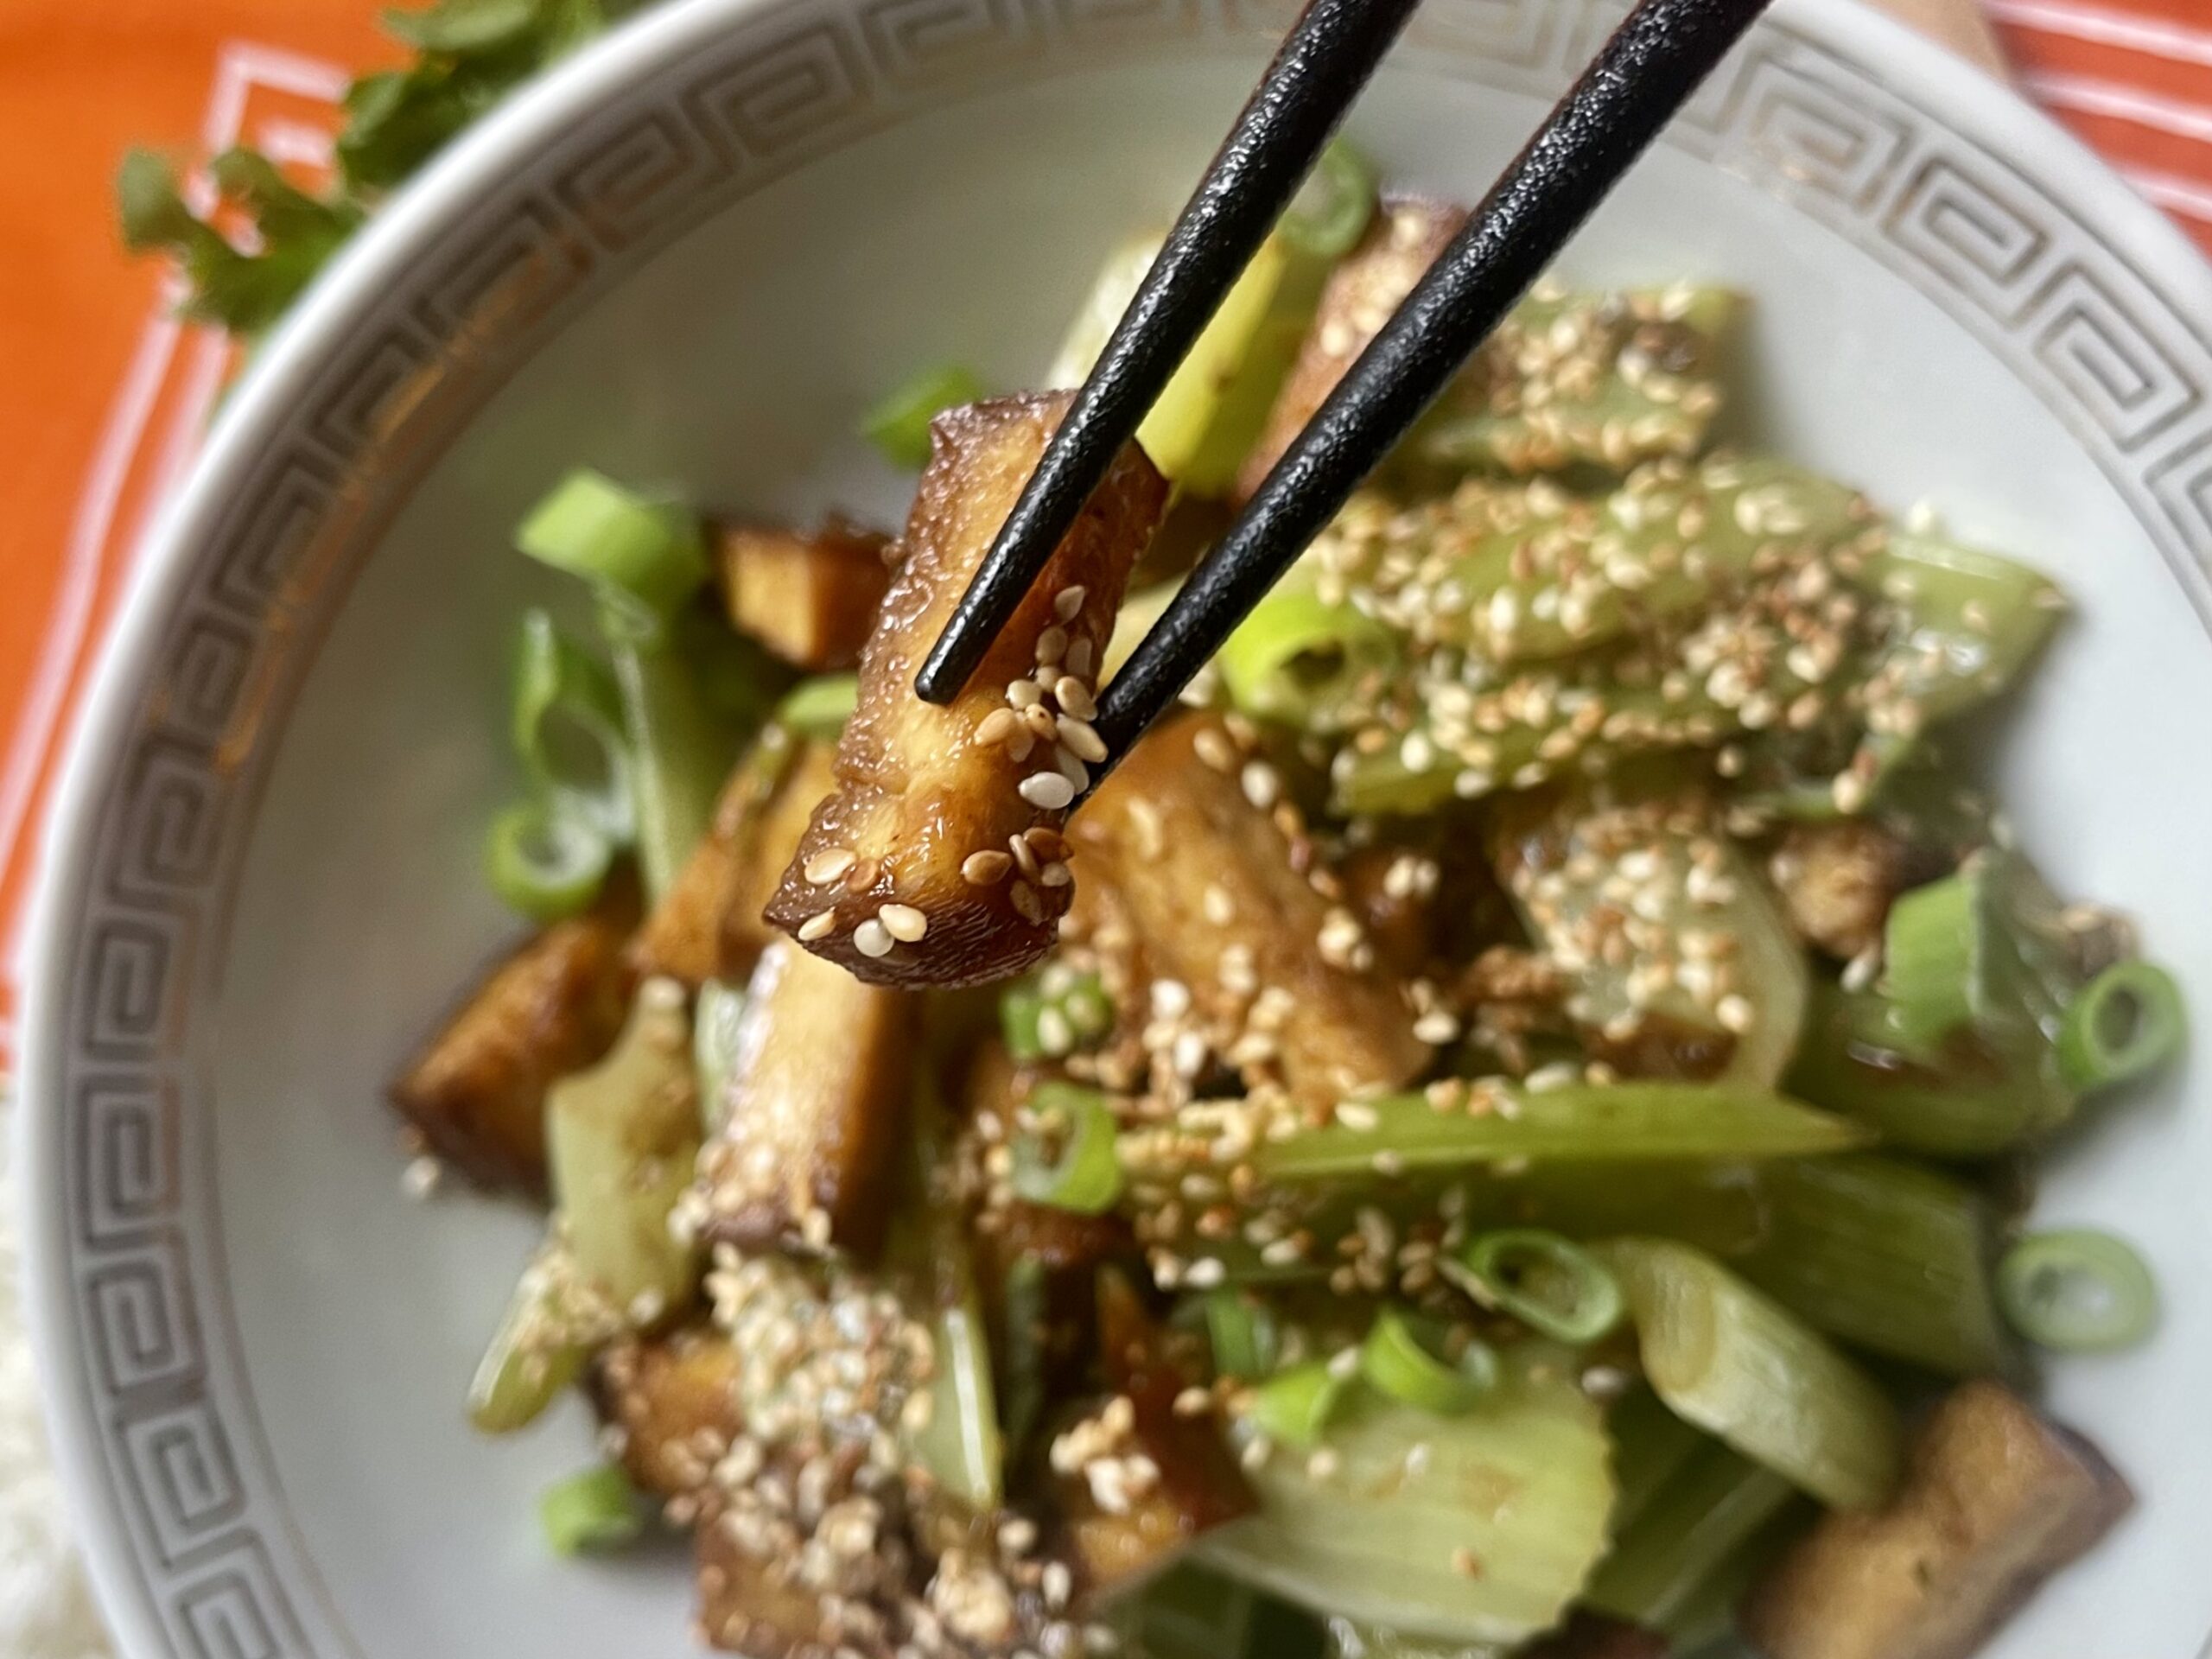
[2133, 78]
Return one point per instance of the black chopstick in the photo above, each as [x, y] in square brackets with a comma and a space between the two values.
[1323, 63]
[1644, 74]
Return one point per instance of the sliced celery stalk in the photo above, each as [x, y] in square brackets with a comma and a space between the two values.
[1886, 1256]
[1484, 1536]
[1210, 413]
[1715, 1503]
[1623, 1123]
[1740, 1367]
[622, 1141]
[1568, 874]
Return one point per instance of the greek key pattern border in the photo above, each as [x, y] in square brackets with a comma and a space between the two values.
[189, 1480]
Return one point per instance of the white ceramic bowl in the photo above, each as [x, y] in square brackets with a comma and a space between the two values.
[690, 258]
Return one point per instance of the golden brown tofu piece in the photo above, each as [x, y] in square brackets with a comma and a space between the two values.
[1210, 887]
[1996, 1499]
[1407, 234]
[675, 1400]
[754, 1605]
[815, 1109]
[708, 924]
[477, 1090]
[1837, 881]
[938, 860]
[1120, 1529]
[810, 599]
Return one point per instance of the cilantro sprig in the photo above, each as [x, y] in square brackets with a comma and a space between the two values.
[468, 56]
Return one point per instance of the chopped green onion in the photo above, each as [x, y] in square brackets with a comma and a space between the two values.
[820, 707]
[567, 725]
[1054, 1014]
[1331, 211]
[641, 557]
[590, 1512]
[1296, 1405]
[899, 425]
[1550, 1284]
[2077, 1291]
[2128, 1021]
[1298, 658]
[545, 860]
[1932, 953]
[1086, 1177]
[1241, 1332]
[717, 1015]
[1405, 1357]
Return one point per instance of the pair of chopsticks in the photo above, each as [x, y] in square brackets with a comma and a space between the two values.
[1643, 75]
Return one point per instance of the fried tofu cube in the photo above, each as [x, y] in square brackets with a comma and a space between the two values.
[674, 1398]
[708, 924]
[814, 1112]
[1210, 889]
[810, 599]
[937, 861]
[755, 1605]
[476, 1092]
[1837, 881]
[1407, 234]
[1996, 1500]
[1121, 1530]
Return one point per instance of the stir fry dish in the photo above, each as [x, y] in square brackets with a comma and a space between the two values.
[1501, 1128]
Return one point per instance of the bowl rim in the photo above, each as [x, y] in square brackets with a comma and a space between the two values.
[184, 532]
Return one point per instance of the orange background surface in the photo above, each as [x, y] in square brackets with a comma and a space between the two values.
[102, 398]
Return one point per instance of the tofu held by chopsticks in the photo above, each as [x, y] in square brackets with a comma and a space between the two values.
[938, 858]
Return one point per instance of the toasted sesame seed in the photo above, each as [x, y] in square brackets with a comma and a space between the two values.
[1082, 738]
[1048, 791]
[818, 925]
[995, 727]
[904, 923]
[1024, 855]
[872, 938]
[1052, 645]
[1216, 750]
[985, 868]
[1038, 720]
[1074, 697]
[1068, 602]
[1023, 694]
[827, 866]
[1026, 902]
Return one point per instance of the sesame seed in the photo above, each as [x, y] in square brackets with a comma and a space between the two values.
[826, 867]
[1071, 767]
[1074, 697]
[1026, 902]
[1038, 720]
[1082, 738]
[1068, 602]
[871, 939]
[1057, 875]
[1023, 694]
[818, 925]
[1216, 750]
[1025, 855]
[1052, 645]
[1019, 741]
[995, 727]
[1048, 791]
[1078, 657]
[985, 868]
[904, 923]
